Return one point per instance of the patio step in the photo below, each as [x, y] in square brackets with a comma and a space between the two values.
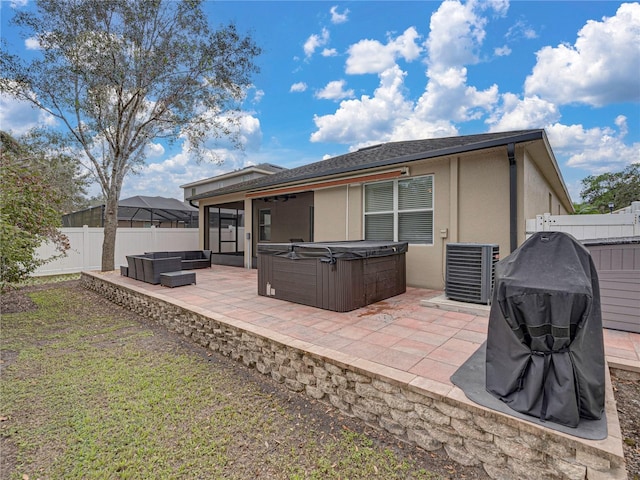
[443, 303]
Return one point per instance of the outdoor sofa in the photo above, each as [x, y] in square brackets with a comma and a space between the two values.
[148, 270]
[149, 266]
[191, 259]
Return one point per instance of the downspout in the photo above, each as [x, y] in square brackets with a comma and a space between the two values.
[513, 197]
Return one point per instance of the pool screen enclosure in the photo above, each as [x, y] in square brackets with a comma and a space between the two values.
[337, 276]
[545, 351]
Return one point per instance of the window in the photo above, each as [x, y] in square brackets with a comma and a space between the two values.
[399, 210]
[264, 225]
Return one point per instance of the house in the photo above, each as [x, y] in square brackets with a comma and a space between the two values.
[139, 211]
[472, 188]
[237, 176]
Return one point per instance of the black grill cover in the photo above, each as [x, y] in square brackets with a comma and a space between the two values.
[545, 352]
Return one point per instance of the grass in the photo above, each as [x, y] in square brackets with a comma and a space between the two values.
[88, 391]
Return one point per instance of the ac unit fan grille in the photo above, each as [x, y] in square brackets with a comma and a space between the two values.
[470, 272]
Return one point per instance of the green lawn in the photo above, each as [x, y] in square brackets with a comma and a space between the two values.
[90, 391]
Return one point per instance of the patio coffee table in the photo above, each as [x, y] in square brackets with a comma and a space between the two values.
[177, 279]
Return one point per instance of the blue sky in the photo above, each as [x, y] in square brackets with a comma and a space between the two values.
[337, 76]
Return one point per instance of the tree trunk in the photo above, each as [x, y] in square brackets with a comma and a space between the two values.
[110, 227]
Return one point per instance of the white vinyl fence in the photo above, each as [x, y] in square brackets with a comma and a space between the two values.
[86, 246]
[590, 227]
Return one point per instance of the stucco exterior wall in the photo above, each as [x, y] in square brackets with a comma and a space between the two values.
[330, 214]
[425, 263]
[539, 197]
[483, 199]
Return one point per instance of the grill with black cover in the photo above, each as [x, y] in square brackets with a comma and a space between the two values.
[545, 351]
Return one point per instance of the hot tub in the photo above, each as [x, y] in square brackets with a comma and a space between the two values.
[337, 276]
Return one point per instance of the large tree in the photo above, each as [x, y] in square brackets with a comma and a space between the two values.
[618, 189]
[120, 73]
[29, 211]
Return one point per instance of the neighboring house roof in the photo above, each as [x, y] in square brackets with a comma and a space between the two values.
[155, 203]
[266, 168]
[142, 208]
[386, 154]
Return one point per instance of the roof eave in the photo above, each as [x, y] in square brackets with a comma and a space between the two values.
[519, 138]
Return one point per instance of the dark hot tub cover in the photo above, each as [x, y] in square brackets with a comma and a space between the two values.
[545, 352]
[343, 250]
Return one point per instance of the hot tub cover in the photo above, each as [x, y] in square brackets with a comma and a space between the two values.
[347, 250]
[545, 352]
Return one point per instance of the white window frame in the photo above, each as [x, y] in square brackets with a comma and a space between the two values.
[396, 211]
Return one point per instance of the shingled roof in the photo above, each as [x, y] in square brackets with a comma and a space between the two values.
[385, 154]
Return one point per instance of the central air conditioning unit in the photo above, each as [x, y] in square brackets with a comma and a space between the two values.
[470, 271]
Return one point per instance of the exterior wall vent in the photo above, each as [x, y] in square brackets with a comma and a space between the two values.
[470, 271]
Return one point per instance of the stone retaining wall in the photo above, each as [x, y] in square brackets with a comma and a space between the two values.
[506, 447]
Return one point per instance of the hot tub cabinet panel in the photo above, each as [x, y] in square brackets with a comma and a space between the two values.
[337, 276]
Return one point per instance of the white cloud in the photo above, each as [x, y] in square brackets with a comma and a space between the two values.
[519, 30]
[338, 17]
[371, 56]
[361, 120]
[315, 41]
[456, 35]
[258, 95]
[599, 149]
[389, 114]
[18, 117]
[500, 7]
[335, 91]
[329, 52]
[154, 150]
[503, 51]
[448, 97]
[601, 68]
[516, 114]
[19, 3]
[32, 43]
[298, 87]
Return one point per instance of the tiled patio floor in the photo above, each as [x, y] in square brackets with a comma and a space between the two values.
[398, 332]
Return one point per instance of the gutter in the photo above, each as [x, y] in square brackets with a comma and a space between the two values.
[513, 197]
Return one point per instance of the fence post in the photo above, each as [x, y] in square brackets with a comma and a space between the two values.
[85, 243]
[154, 239]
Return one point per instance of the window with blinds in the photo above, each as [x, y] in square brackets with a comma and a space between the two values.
[399, 210]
